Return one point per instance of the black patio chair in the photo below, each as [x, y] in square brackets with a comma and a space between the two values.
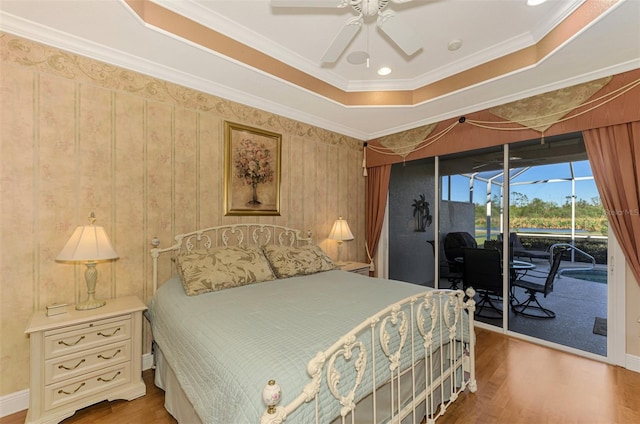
[483, 272]
[534, 283]
[493, 244]
[454, 243]
[520, 251]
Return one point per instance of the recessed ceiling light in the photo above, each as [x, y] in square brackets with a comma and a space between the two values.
[454, 45]
[535, 2]
[358, 58]
[384, 71]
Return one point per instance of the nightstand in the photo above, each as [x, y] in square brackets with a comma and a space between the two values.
[356, 267]
[83, 357]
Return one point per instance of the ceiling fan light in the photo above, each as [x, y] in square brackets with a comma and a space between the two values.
[357, 58]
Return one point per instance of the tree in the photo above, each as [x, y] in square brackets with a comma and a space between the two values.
[519, 199]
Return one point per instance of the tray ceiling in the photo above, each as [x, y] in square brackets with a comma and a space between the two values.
[270, 57]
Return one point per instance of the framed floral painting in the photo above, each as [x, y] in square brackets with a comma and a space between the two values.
[252, 171]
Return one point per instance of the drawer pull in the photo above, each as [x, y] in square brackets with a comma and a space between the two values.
[109, 335]
[62, 392]
[62, 342]
[62, 367]
[111, 379]
[109, 357]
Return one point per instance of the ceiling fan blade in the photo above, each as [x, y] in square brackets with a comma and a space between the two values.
[310, 3]
[342, 40]
[399, 32]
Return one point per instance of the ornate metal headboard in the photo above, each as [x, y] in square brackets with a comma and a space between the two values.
[228, 235]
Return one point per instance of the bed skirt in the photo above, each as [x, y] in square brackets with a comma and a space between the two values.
[179, 406]
[175, 401]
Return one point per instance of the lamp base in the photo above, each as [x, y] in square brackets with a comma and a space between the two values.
[91, 275]
[339, 262]
[90, 304]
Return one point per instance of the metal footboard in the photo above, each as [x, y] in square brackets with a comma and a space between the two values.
[415, 357]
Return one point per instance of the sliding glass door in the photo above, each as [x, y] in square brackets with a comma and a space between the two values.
[554, 209]
[469, 214]
[503, 215]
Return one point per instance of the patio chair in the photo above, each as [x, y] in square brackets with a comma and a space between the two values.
[454, 243]
[520, 251]
[497, 245]
[493, 244]
[483, 272]
[534, 283]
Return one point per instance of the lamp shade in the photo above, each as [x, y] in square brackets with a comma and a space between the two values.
[88, 243]
[340, 231]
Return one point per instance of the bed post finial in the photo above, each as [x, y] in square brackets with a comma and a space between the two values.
[271, 396]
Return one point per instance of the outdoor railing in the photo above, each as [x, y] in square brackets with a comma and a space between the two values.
[563, 236]
[568, 246]
[594, 246]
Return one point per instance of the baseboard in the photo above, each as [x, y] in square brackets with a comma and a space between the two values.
[632, 363]
[19, 401]
[14, 402]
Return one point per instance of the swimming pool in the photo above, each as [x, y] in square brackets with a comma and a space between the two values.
[595, 275]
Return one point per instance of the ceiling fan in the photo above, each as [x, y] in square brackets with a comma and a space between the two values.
[397, 30]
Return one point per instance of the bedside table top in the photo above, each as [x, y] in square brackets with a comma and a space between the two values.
[351, 266]
[120, 305]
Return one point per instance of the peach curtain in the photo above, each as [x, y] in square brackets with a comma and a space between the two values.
[614, 153]
[376, 201]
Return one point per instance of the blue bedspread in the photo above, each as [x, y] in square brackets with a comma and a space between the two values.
[224, 346]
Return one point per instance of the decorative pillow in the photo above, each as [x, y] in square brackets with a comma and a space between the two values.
[222, 268]
[289, 261]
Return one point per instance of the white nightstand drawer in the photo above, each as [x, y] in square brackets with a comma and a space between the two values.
[61, 368]
[86, 385]
[85, 336]
[356, 267]
[362, 271]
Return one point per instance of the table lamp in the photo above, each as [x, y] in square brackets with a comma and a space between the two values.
[88, 244]
[340, 232]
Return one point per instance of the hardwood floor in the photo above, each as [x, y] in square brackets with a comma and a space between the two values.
[518, 383]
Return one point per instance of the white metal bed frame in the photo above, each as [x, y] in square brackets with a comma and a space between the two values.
[394, 333]
[228, 235]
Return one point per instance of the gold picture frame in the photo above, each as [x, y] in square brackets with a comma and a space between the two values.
[252, 170]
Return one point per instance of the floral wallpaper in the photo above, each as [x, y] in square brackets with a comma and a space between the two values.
[147, 156]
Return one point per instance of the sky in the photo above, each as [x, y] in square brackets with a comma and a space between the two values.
[552, 191]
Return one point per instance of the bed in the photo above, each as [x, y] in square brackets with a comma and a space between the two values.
[256, 324]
